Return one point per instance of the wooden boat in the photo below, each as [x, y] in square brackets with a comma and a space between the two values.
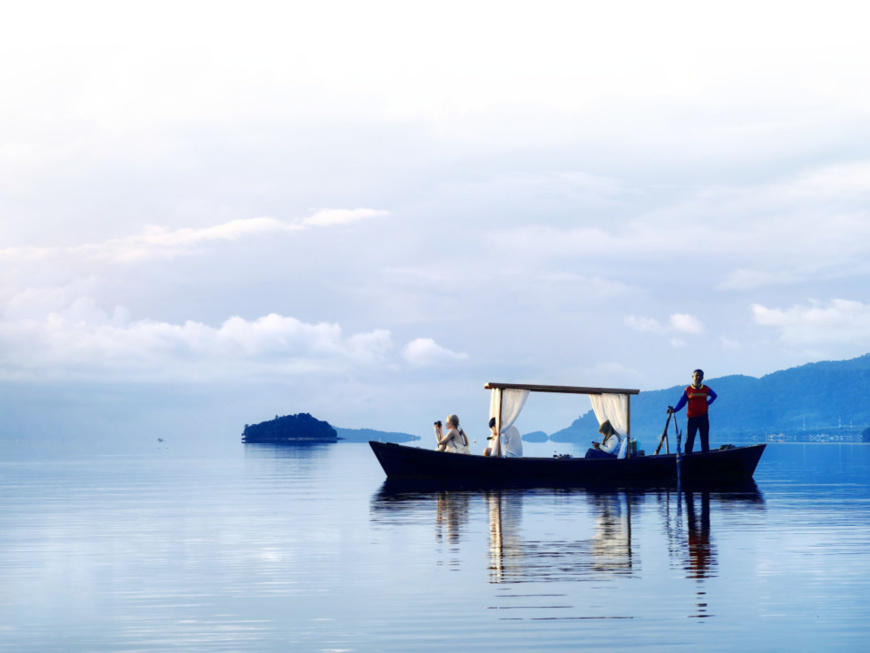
[731, 465]
[719, 467]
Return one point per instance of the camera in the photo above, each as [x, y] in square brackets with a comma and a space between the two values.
[438, 423]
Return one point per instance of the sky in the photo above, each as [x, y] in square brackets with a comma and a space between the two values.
[212, 213]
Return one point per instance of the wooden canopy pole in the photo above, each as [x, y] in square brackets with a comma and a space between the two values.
[498, 426]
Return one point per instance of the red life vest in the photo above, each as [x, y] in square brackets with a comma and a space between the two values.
[697, 404]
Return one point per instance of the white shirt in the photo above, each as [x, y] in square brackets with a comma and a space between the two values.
[511, 443]
[611, 445]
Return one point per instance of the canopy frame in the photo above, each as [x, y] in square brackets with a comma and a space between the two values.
[565, 389]
[569, 389]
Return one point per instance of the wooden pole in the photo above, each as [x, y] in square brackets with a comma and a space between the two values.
[498, 426]
[664, 437]
[679, 454]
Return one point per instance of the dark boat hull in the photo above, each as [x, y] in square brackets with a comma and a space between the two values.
[716, 467]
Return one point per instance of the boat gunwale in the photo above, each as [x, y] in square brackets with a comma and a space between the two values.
[559, 459]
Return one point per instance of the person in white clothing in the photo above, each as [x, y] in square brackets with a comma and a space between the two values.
[511, 442]
[455, 440]
[609, 445]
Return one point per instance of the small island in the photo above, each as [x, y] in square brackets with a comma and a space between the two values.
[304, 429]
[290, 429]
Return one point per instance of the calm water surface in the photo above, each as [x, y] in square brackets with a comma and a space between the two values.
[307, 549]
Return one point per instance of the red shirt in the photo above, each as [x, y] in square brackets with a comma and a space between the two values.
[697, 400]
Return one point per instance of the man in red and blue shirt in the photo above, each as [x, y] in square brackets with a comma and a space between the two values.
[698, 396]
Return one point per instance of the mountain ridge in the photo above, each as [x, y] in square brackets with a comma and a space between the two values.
[820, 397]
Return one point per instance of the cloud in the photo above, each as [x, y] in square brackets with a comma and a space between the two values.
[781, 230]
[157, 242]
[160, 242]
[685, 323]
[677, 323]
[425, 352]
[41, 340]
[840, 321]
[84, 341]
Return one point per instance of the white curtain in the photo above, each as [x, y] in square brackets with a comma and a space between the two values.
[613, 407]
[512, 402]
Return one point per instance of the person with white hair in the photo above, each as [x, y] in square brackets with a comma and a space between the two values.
[455, 440]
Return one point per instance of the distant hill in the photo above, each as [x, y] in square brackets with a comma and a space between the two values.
[535, 436]
[829, 397]
[364, 435]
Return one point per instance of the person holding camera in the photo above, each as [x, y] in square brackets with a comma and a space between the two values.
[455, 440]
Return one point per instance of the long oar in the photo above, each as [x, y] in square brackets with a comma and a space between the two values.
[664, 438]
[679, 455]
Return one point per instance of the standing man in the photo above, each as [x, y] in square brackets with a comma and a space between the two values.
[699, 397]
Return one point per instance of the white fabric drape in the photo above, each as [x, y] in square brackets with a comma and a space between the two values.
[613, 407]
[512, 402]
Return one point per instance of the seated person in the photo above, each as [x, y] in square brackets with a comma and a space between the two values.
[511, 442]
[609, 445]
[492, 439]
[455, 440]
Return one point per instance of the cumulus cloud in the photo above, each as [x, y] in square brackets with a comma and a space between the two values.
[840, 321]
[45, 336]
[85, 341]
[424, 352]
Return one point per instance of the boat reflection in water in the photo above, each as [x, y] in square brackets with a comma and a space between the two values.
[693, 547]
[701, 554]
[515, 558]
[451, 515]
[571, 534]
